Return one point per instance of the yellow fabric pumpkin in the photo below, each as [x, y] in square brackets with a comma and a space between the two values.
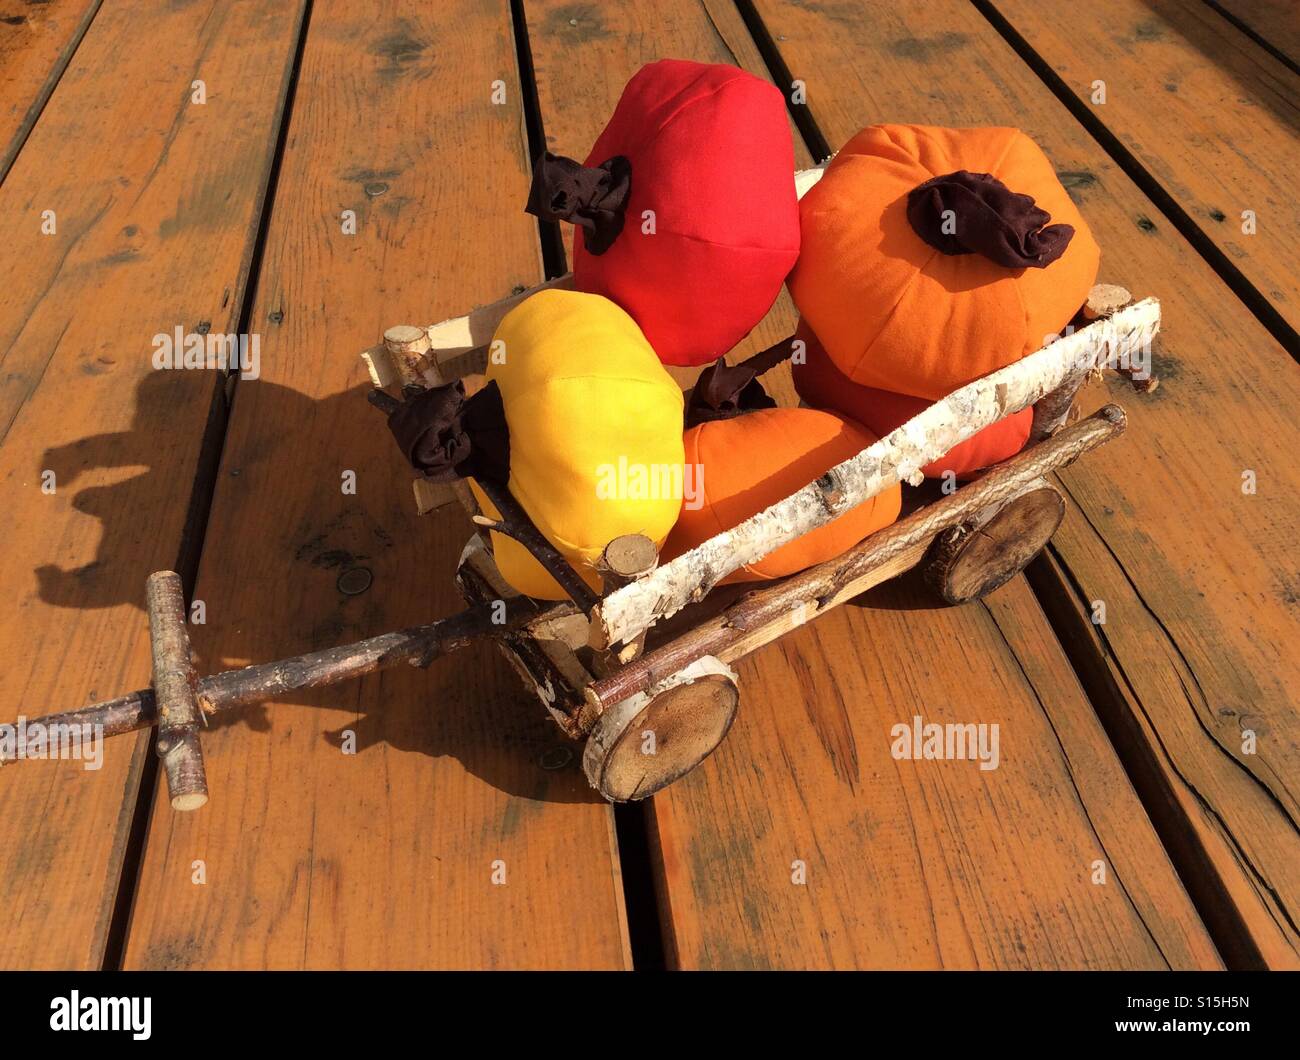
[595, 433]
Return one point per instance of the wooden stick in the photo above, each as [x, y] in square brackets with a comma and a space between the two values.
[515, 522]
[543, 652]
[763, 615]
[898, 457]
[1052, 411]
[623, 561]
[416, 645]
[175, 687]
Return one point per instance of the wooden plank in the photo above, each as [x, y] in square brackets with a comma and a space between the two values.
[1273, 21]
[908, 864]
[1197, 577]
[1203, 108]
[383, 859]
[139, 180]
[917, 864]
[36, 42]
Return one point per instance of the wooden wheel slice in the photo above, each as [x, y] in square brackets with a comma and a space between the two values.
[647, 741]
[971, 560]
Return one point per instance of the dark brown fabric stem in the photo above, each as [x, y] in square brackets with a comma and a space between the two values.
[723, 391]
[592, 198]
[445, 436]
[975, 213]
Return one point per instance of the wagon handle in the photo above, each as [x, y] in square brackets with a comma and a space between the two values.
[224, 692]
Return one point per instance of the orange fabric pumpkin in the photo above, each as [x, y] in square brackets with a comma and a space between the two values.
[895, 312]
[821, 385]
[750, 462]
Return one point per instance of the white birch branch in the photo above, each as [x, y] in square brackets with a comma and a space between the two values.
[898, 457]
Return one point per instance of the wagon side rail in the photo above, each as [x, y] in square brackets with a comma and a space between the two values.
[898, 457]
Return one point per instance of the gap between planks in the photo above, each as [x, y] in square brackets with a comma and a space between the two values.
[1250, 295]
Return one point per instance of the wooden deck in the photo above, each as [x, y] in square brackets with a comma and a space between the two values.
[127, 208]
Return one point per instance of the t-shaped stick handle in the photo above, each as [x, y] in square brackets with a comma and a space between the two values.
[175, 686]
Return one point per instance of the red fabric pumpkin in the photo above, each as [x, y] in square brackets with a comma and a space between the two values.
[821, 385]
[712, 159]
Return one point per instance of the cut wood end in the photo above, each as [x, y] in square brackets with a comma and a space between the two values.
[592, 708]
[405, 336]
[643, 744]
[408, 348]
[597, 639]
[1105, 299]
[967, 565]
[193, 800]
[160, 581]
[629, 556]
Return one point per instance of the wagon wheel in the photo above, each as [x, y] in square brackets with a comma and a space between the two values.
[971, 560]
[651, 739]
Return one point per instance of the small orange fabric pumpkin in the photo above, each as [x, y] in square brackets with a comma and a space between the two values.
[820, 384]
[750, 462]
[889, 276]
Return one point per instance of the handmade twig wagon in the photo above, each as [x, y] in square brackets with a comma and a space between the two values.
[642, 670]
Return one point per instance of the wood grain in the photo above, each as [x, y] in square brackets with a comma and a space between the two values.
[1273, 20]
[906, 864]
[36, 42]
[385, 858]
[1198, 579]
[156, 202]
[1206, 110]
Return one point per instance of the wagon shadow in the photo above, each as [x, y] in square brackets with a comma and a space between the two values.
[469, 707]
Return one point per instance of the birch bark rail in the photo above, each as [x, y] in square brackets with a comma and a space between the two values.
[898, 457]
[764, 614]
